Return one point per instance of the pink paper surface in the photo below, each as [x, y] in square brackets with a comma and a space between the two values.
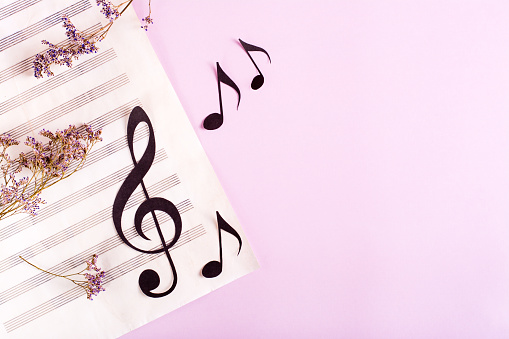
[370, 172]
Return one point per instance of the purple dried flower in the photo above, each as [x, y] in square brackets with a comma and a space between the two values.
[58, 55]
[7, 141]
[109, 10]
[63, 155]
[94, 284]
[78, 43]
[148, 20]
[91, 283]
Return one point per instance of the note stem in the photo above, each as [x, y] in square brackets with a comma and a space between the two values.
[219, 89]
[254, 63]
[220, 245]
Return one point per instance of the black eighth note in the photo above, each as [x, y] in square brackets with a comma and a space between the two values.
[215, 120]
[214, 268]
[259, 79]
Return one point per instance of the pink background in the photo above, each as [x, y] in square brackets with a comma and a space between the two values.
[370, 172]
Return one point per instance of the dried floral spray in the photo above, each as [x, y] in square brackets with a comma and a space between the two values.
[46, 164]
[80, 43]
[92, 282]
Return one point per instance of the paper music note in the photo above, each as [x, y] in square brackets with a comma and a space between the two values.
[215, 120]
[214, 268]
[259, 79]
[149, 279]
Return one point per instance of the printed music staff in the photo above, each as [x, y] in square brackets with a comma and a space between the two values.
[149, 279]
[214, 268]
[259, 79]
[215, 120]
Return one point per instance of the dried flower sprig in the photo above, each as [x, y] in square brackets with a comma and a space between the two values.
[92, 282]
[46, 164]
[64, 55]
[81, 43]
[148, 19]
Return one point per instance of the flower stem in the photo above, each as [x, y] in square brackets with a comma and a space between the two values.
[126, 7]
[40, 269]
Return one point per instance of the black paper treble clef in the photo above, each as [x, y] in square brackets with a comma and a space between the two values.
[149, 279]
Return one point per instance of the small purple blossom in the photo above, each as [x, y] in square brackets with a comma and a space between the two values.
[6, 163]
[7, 141]
[92, 264]
[94, 281]
[14, 195]
[148, 20]
[109, 10]
[94, 284]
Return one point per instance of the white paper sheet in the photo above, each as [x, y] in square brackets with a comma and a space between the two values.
[102, 89]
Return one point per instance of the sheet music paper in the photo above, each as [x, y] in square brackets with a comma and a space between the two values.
[102, 89]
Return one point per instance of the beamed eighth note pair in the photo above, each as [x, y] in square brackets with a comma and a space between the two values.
[215, 120]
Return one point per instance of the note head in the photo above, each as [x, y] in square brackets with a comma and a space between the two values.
[213, 121]
[212, 269]
[257, 82]
[148, 280]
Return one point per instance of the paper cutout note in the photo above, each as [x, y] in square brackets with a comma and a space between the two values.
[215, 120]
[258, 80]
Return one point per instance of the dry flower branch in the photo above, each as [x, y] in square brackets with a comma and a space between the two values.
[90, 282]
[80, 43]
[47, 164]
